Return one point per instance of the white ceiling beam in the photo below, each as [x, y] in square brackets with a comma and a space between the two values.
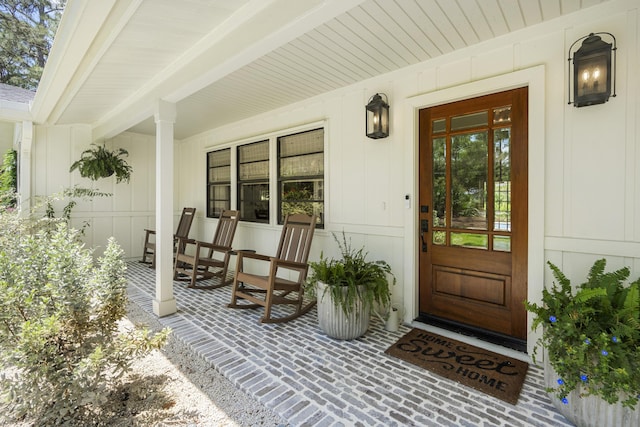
[80, 24]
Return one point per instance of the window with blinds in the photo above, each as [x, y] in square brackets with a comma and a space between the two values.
[301, 174]
[295, 177]
[218, 182]
[253, 181]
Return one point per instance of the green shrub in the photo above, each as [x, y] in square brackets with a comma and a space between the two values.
[60, 348]
[592, 334]
[9, 179]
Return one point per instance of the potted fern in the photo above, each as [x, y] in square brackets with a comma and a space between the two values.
[347, 289]
[100, 162]
[591, 342]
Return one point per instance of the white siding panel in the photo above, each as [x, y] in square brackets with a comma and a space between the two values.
[454, 73]
[485, 63]
[350, 159]
[100, 231]
[123, 233]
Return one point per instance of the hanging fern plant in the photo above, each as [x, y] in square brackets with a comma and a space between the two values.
[99, 162]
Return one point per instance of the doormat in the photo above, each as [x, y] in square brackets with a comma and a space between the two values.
[491, 373]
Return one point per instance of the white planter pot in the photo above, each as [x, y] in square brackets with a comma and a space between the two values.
[335, 323]
[590, 411]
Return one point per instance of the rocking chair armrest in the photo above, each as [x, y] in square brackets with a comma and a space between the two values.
[294, 265]
[184, 240]
[247, 254]
[207, 245]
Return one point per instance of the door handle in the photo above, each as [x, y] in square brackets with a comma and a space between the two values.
[424, 228]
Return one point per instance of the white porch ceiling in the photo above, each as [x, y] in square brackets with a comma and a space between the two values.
[221, 61]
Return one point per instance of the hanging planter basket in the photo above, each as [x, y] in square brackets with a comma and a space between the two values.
[99, 162]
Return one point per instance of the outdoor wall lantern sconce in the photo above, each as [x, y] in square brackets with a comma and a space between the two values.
[592, 70]
[377, 117]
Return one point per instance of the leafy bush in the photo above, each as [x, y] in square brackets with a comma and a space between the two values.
[9, 179]
[592, 336]
[60, 348]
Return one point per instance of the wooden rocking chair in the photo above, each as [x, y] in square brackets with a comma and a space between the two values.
[208, 259]
[182, 232]
[269, 290]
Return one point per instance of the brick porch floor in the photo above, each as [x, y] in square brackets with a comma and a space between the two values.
[312, 380]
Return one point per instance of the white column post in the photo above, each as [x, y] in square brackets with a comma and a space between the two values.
[24, 167]
[164, 302]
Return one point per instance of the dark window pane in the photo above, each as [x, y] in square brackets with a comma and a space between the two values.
[218, 182]
[254, 202]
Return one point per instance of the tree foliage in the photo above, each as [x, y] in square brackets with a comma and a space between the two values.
[9, 179]
[27, 29]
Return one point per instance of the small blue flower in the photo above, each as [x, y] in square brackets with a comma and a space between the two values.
[553, 319]
[584, 378]
[604, 352]
[614, 339]
[560, 381]
[587, 341]
[565, 400]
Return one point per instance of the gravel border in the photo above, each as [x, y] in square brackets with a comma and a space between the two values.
[200, 395]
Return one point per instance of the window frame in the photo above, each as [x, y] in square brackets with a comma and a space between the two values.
[274, 182]
[281, 179]
[253, 181]
[211, 211]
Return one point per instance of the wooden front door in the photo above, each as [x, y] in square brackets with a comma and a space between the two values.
[473, 213]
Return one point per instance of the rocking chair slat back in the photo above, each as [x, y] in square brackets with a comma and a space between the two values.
[297, 233]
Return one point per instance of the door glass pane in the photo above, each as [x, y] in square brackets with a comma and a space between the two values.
[502, 115]
[469, 240]
[502, 243]
[439, 237]
[502, 179]
[439, 182]
[467, 121]
[439, 126]
[469, 181]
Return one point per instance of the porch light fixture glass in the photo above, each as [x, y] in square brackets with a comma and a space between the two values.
[377, 117]
[593, 72]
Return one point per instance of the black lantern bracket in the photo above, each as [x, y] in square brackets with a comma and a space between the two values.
[594, 73]
[377, 118]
